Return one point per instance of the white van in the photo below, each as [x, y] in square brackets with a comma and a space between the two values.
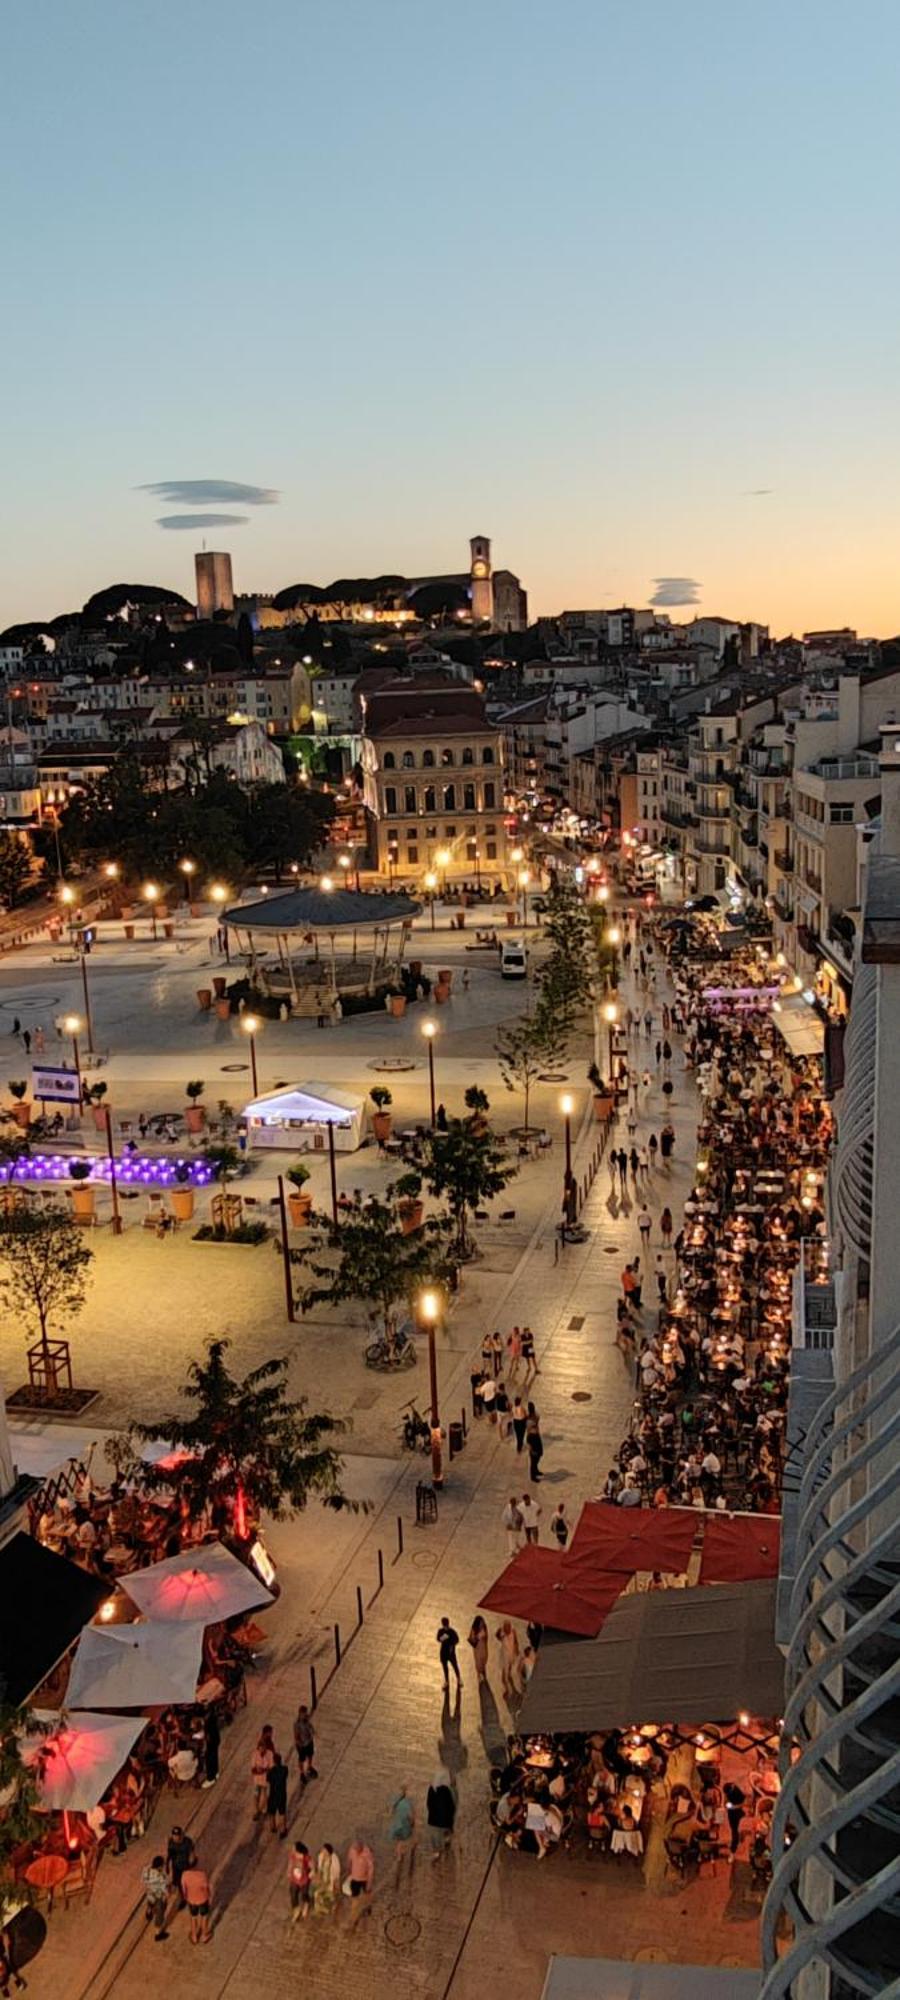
[513, 959]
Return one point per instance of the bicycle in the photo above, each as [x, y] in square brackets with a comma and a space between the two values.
[389, 1353]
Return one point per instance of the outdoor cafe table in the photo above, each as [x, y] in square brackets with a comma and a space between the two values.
[46, 1872]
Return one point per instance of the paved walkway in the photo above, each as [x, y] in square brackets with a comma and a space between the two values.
[451, 1930]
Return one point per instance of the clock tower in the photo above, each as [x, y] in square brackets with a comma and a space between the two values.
[482, 586]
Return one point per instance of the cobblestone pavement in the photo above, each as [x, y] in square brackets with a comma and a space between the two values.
[484, 1914]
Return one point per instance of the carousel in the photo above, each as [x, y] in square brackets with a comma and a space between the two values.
[313, 947]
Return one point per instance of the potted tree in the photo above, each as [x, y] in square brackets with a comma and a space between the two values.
[222, 1006]
[96, 1094]
[82, 1193]
[299, 1200]
[195, 1115]
[477, 1105]
[381, 1117]
[409, 1202]
[181, 1195]
[21, 1110]
[398, 1005]
[204, 998]
[604, 1098]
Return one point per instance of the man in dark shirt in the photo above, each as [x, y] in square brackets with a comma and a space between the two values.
[447, 1641]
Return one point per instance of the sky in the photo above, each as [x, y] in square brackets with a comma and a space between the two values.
[614, 282]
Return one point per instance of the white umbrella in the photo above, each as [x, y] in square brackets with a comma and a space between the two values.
[135, 1666]
[206, 1584]
[79, 1756]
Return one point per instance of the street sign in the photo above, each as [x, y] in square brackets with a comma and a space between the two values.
[59, 1084]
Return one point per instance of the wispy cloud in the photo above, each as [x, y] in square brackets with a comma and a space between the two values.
[211, 493]
[202, 520]
[671, 590]
[756, 492]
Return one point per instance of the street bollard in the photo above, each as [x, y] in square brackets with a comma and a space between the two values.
[313, 1690]
[399, 1534]
[359, 1607]
[380, 1570]
[337, 1645]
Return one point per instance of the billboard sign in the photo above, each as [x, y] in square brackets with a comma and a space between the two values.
[58, 1084]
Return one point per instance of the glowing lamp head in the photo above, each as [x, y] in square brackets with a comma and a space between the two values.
[429, 1307]
[326, 883]
[151, 891]
[344, 861]
[107, 1610]
[603, 893]
[429, 1030]
[524, 878]
[517, 854]
[567, 1104]
[66, 895]
[251, 1024]
[111, 870]
[218, 893]
[614, 934]
[188, 867]
[610, 1012]
[431, 880]
[443, 857]
[73, 1024]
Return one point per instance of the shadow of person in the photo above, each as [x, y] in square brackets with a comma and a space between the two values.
[451, 1749]
[493, 1733]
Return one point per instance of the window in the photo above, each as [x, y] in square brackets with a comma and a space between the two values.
[409, 762]
[412, 856]
[390, 798]
[449, 798]
[449, 833]
[447, 757]
[468, 798]
[412, 835]
[487, 755]
[393, 835]
[491, 850]
[430, 799]
[428, 759]
[409, 798]
[431, 833]
[468, 756]
[840, 815]
[388, 761]
[490, 832]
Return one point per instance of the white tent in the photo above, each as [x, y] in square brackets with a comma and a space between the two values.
[201, 1585]
[287, 1118]
[79, 1756]
[144, 1665]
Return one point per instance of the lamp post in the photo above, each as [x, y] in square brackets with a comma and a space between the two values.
[524, 879]
[429, 1313]
[614, 938]
[151, 893]
[567, 1106]
[429, 1030]
[72, 1024]
[67, 898]
[442, 859]
[345, 864]
[610, 1016]
[431, 882]
[188, 869]
[218, 895]
[117, 1219]
[251, 1025]
[332, 1167]
[392, 863]
[89, 1019]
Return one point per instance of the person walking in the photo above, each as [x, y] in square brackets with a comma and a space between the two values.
[519, 1420]
[559, 1526]
[623, 1169]
[478, 1640]
[156, 1895]
[513, 1522]
[402, 1832]
[531, 1515]
[326, 1881]
[447, 1642]
[665, 1226]
[534, 1444]
[180, 1855]
[507, 1639]
[361, 1876]
[26, 1038]
[260, 1765]
[667, 1143]
[645, 1224]
[40, 1041]
[299, 1876]
[197, 1891]
[276, 1795]
[528, 1356]
[496, 1353]
[305, 1744]
[513, 1353]
[440, 1809]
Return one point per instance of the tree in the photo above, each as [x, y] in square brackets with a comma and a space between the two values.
[468, 1166]
[248, 1448]
[20, 1820]
[372, 1258]
[525, 1049]
[15, 866]
[43, 1270]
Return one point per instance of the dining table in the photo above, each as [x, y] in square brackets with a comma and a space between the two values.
[45, 1873]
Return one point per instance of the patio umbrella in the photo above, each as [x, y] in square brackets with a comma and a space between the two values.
[541, 1585]
[737, 1547]
[148, 1664]
[633, 1538]
[79, 1756]
[205, 1585]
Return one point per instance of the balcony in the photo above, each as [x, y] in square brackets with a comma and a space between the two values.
[672, 815]
[783, 909]
[784, 861]
[708, 843]
[812, 881]
[720, 813]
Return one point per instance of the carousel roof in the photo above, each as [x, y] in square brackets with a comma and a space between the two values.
[323, 910]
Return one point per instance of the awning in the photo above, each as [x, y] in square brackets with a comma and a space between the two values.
[79, 1756]
[689, 1656]
[148, 1664]
[740, 1546]
[205, 1585]
[622, 1979]
[48, 1601]
[317, 1103]
[799, 1025]
[543, 1586]
[634, 1538]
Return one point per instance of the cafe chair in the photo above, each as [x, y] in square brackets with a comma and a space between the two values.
[80, 1878]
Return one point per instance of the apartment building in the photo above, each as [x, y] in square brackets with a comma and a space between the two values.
[433, 780]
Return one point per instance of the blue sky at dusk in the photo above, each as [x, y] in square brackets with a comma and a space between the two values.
[584, 277]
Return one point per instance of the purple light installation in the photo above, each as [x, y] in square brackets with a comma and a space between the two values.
[130, 1168]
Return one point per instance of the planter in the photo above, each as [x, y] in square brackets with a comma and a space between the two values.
[441, 993]
[219, 985]
[411, 1215]
[195, 1117]
[161, 911]
[223, 1007]
[168, 929]
[445, 976]
[204, 998]
[129, 930]
[98, 1114]
[83, 1202]
[182, 1203]
[21, 1112]
[196, 910]
[460, 920]
[603, 1109]
[398, 1005]
[415, 968]
[127, 911]
[300, 1205]
[510, 919]
[381, 1125]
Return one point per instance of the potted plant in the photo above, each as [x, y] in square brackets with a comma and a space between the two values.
[299, 1201]
[398, 1005]
[409, 1202]
[21, 1110]
[204, 998]
[195, 1115]
[477, 1104]
[603, 1095]
[181, 1195]
[381, 1117]
[82, 1194]
[96, 1094]
[445, 976]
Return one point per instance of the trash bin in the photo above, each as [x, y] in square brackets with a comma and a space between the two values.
[455, 1438]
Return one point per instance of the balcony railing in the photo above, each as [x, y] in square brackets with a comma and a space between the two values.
[783, 861]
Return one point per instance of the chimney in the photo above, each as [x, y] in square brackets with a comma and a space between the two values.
[889, 766]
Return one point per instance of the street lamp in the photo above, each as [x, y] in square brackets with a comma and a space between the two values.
[603, 893]
[218, 895]
[610, 1016]
[251, 1025]
[518, 854]
[188, 869]
[614, 938]
[392, 862]
[326, 883]
[431, 882]
[429, 1030]
[151, 893]
[442, 859]
[429, 1314]
[524, 879]
[567, 1106]
[111, 871]
[73, 1024]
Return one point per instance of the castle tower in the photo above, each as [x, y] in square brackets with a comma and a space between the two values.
[214, 586]
[482, 585]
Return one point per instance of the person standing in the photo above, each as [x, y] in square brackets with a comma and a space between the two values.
[440, 1808]
[519, 1421]
[559, 1526]
[211, 1742]
[665, 1226]
[305, 1744]
[156, 1893]
[528, 1356]
[260, 1765]
[531, 1515]
[276, 1800]
[645, 1224]
[196, 1889]
[26, 1038]
[179, 1856]
[326, 1881]
[478, 1640]
[735, 1801]
[513, 1352]
[447, 1642]
[402, 1832]
[361, 1871]
[299, 1877]
[496, 1353]
[534, 1443]
[514, 1524]
[508, 1642]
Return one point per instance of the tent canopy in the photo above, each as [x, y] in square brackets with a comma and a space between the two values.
[634, 1538]
[48, 1600]
[322, 910]
[79, 1756]
[689, 1656]
[144, 1665]
[200, 1585]
[541, 1584]
[315, 1103]
[737, 1546]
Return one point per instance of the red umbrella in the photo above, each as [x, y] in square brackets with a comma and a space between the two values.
[739, 1547]
[200, 1585]
[544, 1586]
[632, 1538]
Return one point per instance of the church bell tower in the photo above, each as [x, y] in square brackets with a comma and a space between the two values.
[482, 586]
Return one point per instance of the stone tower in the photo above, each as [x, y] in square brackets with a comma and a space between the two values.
[482, 585]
